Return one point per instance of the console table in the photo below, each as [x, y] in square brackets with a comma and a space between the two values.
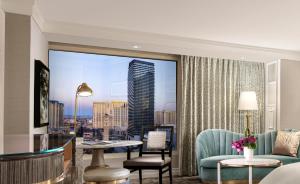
[39, 166]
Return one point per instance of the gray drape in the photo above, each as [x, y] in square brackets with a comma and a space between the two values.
[209, 90]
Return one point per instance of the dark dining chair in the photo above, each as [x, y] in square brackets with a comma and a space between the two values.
[157, 145]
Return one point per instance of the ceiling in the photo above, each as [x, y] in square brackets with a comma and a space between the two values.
[262, 23]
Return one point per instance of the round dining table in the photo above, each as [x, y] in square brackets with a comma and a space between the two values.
[99, 147]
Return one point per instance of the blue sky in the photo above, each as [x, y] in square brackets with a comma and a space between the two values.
[107, 76]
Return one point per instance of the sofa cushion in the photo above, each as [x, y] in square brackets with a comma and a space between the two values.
[211, 162]
[284, 159]
[287, 143]
[146, 161]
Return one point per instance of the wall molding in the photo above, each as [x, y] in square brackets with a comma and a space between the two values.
[18, 7]
[37, 15]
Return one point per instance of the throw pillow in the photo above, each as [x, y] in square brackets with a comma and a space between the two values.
[287, 143]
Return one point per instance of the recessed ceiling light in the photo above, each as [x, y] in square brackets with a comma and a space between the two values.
[136, 46]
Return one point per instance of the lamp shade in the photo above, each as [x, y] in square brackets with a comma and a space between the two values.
[84, 90]
[248, 101]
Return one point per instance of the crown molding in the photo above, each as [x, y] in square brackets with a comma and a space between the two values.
[18, 6]
[28, 7]
[125, 39]
[37, 15]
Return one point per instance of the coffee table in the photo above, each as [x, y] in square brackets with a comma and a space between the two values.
[241, 162]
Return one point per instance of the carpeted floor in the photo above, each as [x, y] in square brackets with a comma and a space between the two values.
[176, 180]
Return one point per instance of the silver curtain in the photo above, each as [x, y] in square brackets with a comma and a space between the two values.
[209, 90]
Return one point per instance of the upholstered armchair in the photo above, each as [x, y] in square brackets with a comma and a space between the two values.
[157, 141]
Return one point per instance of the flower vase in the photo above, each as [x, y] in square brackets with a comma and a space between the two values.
[248, 153]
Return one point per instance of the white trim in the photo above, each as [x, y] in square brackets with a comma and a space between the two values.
[37, 16]
[2, 65]
[23, 7]
[278, 97]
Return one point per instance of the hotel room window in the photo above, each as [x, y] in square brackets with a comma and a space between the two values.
[128, 93]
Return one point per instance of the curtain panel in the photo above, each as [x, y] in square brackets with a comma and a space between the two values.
[209, 93]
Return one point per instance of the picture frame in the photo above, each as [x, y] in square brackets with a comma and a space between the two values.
[41, 94]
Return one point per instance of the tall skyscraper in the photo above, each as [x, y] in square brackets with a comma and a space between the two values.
[100, 109]
[140, 96]
[117, 110]
[169, 117]
[159, 117]
[61, 114]
[120, 113]
[56, 114]
[165, 117]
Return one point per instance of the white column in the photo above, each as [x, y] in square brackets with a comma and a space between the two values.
[250, 174]
[219, 173]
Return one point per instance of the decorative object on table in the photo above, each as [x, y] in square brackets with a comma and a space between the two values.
[44, 142]
[248, 102]
[83, 90]
[41, 94]
[246, 145]
[286, 143]
[158, 141]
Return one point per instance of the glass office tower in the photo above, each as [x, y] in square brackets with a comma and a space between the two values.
[140, 96]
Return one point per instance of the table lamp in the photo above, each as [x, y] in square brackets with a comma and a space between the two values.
[83, 90]
[248, 102]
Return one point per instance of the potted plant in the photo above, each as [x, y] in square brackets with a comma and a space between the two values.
[246, 145]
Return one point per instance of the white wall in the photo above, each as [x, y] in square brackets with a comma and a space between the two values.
[289, 94]
[39, 51]
[2, 38]
[16, 90]
[24, 43]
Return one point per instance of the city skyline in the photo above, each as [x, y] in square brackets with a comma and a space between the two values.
[107, 76]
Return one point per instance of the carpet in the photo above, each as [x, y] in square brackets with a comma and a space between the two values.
[176, 180]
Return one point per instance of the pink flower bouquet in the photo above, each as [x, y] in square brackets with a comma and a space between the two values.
[249, 142]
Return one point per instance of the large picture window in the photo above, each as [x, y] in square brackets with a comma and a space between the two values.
[128, 94]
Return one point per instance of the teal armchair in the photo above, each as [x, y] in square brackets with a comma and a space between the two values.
[213, 145]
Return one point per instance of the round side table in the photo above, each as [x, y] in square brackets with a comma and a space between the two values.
[241, 162]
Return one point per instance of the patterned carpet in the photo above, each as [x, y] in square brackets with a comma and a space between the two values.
[176, 180]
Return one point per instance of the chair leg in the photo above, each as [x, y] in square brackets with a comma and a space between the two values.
[170, 173]
[160, 176]
[140, 176]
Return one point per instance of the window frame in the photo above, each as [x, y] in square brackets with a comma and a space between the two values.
[56, 46]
